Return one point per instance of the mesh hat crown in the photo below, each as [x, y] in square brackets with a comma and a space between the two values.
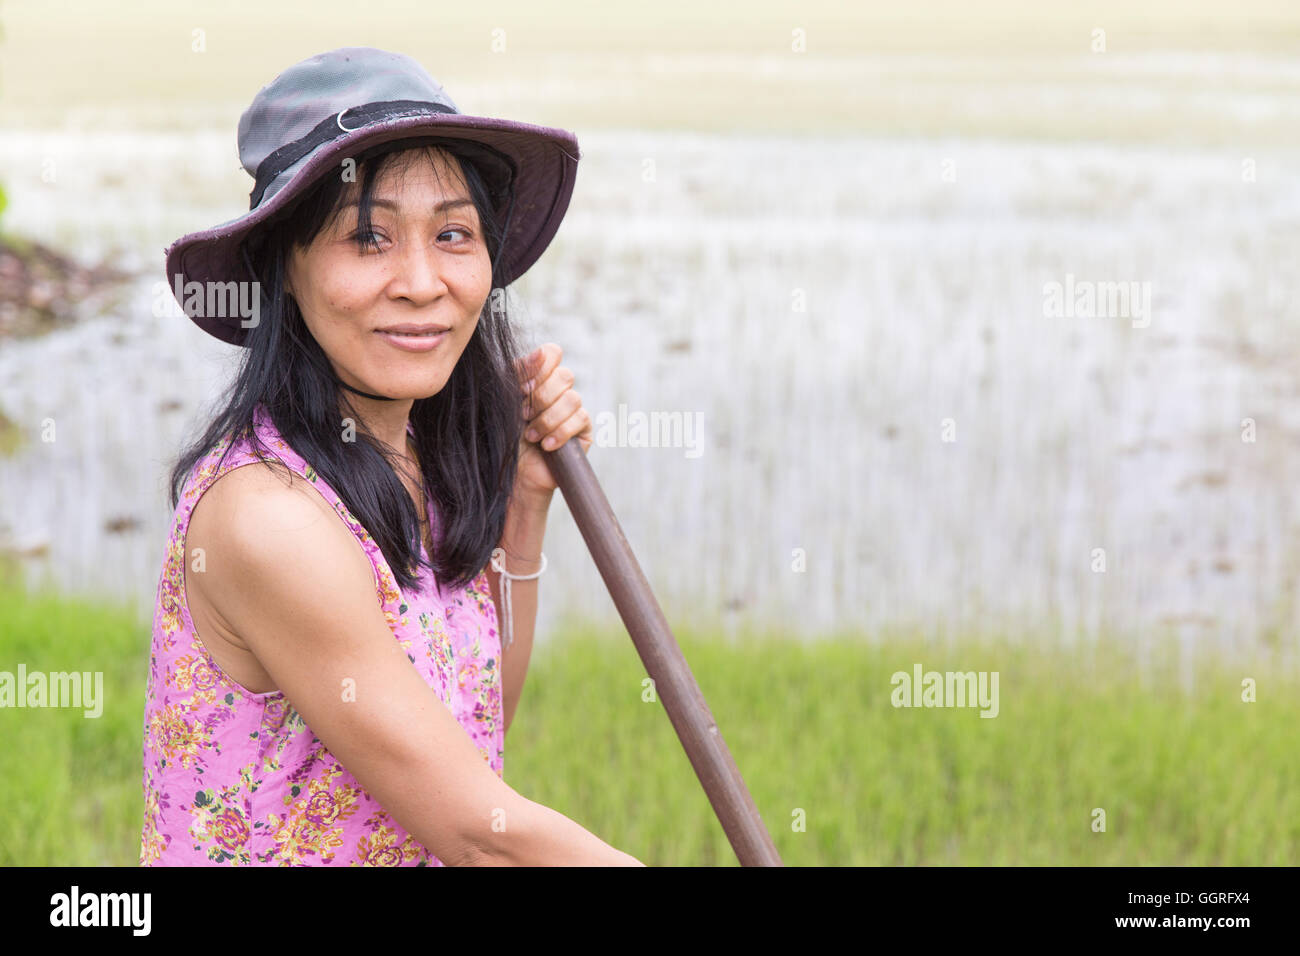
[334, 106]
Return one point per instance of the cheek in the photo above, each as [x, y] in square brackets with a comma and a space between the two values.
[333, 314]
[481, 281]
[339, 303]
[340, 291]
[342, 298]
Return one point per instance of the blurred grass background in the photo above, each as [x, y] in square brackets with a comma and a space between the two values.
[1185, 779]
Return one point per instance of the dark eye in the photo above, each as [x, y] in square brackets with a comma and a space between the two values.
[464, 232]
[367, 239]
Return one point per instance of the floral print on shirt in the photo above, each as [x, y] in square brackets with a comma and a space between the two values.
[233, 777]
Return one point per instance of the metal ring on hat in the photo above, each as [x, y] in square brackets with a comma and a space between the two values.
[286, 156]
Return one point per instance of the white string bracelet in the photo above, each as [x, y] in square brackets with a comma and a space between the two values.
[499, 565]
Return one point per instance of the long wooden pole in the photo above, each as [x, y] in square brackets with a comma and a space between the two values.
[673, 681]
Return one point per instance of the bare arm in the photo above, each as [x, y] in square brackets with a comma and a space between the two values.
[522, 542]
[287, 577]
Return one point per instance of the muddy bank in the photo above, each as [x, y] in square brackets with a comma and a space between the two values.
[42, 290]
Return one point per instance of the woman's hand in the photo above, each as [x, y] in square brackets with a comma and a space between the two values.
[554, 414]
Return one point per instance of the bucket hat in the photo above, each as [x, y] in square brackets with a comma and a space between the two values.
[332, 106]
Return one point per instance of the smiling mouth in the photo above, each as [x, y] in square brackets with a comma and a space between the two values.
[413, 338]
[413, 332]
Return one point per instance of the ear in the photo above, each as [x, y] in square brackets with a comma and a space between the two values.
[288, 277]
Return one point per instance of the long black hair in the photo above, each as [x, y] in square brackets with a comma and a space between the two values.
[466, 436]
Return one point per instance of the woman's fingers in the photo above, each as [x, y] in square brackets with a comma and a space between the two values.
[547, 394]
[553, 410]
[527, 366]
[535, 373]
[555, 415]
[576, 425]
[549, 384]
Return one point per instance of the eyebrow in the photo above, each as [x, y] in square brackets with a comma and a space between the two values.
[389, 204]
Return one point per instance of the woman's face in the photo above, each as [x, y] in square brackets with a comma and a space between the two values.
[373, 307]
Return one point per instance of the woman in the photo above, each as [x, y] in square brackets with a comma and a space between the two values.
[327, 678]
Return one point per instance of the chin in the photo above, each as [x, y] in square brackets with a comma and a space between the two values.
[404, 379]
[423, 387]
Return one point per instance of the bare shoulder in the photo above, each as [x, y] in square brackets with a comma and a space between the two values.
[256, 496]
[262, 519]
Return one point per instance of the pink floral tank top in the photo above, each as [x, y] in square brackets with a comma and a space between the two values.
[232, 777]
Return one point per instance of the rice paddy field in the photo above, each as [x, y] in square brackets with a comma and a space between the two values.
[824, 237]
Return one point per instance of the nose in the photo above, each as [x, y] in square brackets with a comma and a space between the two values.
[419, 274]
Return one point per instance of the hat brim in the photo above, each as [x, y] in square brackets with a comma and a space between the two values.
[546, 160]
